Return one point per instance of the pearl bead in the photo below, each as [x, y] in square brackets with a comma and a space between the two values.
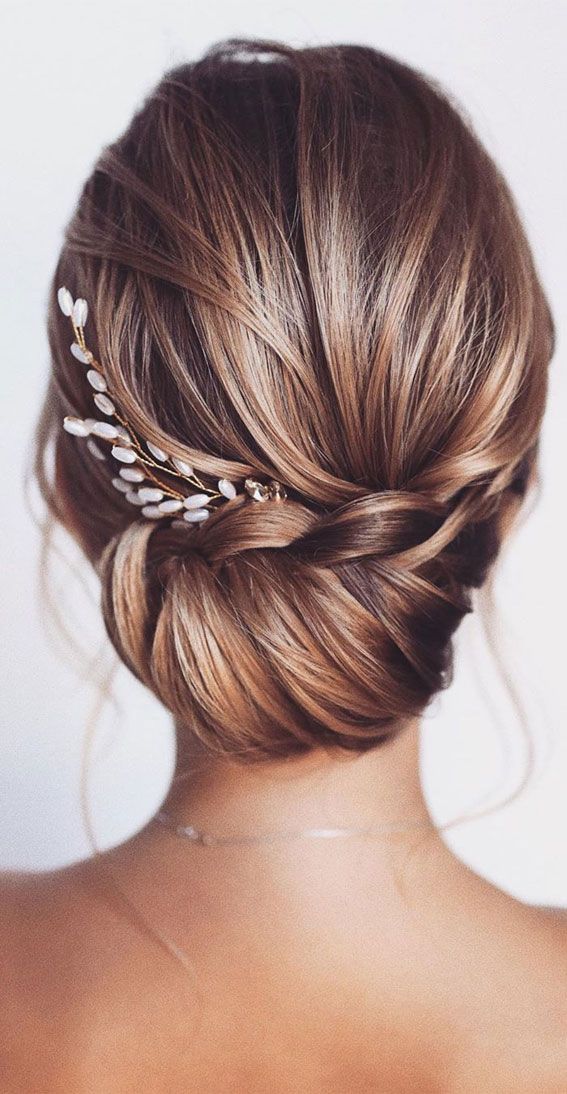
[170, 505]
[95, 450]
[76, 426]
[227, 488]
[96, 380]
[132, 474]
[65, 300]
[195, 515]
[104, 403]
[182, 466]
[195, 501]
[80, 312]
[125, 455]
[150, 493]
[80, 354]
[157, 452]
[119, 484]
[104, 429]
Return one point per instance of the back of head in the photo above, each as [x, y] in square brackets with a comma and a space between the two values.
[300, 264]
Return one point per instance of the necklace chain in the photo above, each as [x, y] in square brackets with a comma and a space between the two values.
[207, 839]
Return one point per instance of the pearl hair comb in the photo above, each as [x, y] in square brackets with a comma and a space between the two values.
[149, 477]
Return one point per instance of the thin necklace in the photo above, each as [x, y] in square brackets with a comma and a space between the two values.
[199, 837]
[207, 839]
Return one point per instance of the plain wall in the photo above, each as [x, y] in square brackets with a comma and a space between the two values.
[72, 74]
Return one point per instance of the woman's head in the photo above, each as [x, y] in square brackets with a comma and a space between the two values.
[300, 264]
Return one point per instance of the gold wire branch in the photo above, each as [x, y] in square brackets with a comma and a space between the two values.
[162, 500]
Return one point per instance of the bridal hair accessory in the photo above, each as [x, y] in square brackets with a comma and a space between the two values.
[148, 477]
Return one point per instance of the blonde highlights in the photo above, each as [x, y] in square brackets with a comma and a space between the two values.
[306, 268]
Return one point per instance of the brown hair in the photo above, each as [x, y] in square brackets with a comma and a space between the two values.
[300, 264]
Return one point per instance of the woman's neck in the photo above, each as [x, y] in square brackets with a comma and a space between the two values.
[379, 787]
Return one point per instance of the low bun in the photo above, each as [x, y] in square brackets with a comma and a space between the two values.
[277, 628]
[172, 620]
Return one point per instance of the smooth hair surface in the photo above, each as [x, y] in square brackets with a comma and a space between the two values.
[300, 264]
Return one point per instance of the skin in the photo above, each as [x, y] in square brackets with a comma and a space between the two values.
[314, 966]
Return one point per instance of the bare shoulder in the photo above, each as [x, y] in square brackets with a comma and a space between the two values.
[520, 1041]
[35, 912]
[44, 935]
[30, 905]
[50, 924]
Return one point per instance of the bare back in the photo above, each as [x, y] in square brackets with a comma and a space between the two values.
[298, 984]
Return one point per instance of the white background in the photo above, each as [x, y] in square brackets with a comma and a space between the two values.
[72, 74]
